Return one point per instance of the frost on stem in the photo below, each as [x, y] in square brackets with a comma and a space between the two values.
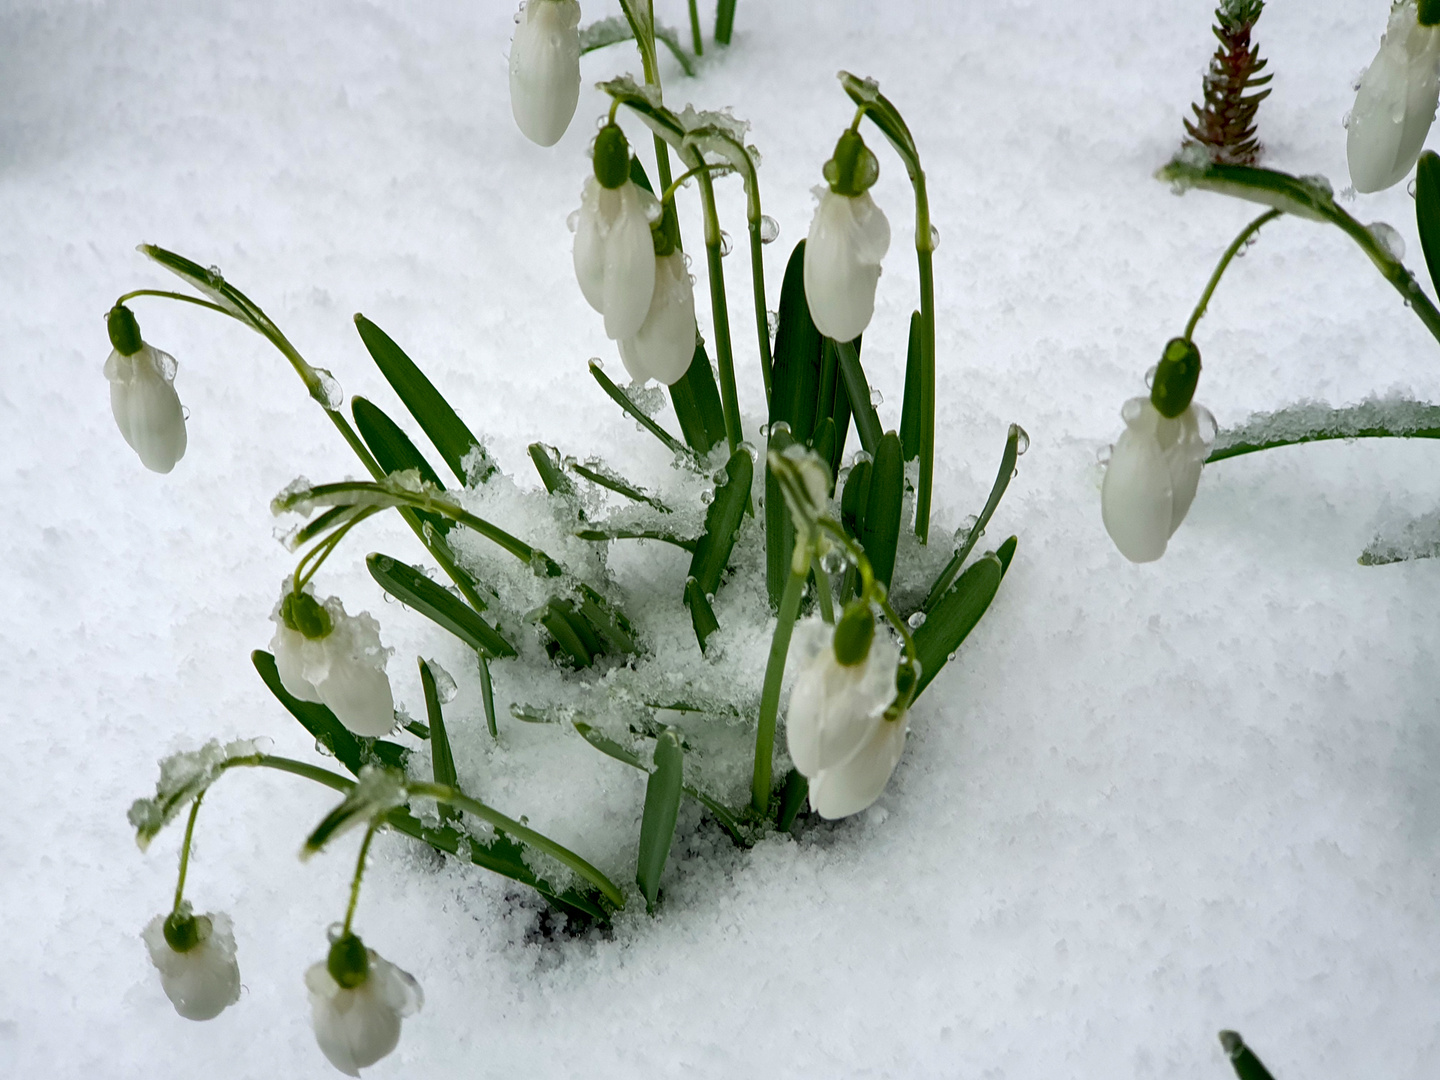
[183, 777]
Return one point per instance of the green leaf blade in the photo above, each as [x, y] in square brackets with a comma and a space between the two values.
[441, 756]
[436, 603]
[950, 622]
[662, 806]
[880, 533]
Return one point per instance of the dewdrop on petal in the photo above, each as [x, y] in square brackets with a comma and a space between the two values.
[664, 346]
[836, 728]
[357, 1002]
[1395, 103]
[614, 253]
[326, 656]
[1154, 468]
[849, 236]
[545, 69]
[142, 394]
[195, 955]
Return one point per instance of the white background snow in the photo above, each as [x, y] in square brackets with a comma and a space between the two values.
[1145, 804]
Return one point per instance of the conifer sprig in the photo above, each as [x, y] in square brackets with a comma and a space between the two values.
[1225, 125]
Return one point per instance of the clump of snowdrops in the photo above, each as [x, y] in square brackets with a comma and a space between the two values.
[838, 542]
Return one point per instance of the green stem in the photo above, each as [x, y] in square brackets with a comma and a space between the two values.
[762, 317]
[770, 693]
[178, 296]
[697, 41]
[822, 590]
[334, 781]
[924, 252]
[1230, 253]
[185, 851]
[313, 559]
[724, 21]
[724, 357]
[359, 873]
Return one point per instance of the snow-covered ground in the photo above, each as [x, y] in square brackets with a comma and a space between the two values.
[1145, 804]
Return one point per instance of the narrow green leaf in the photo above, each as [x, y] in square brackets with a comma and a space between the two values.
[1006, 552]
[1427, 212]
[722, 522]
[662, 805]
[779, 529]
[1313, 421]
[792, 799]
[952, 619]
[426, 404]
[702, 616]
[880, 534]
[570, 633]
[1242, 1059]
[394, 451]
[612, 31]
[857, 389]
[547, 464]
[442, 758]
[487, 695]
[854, 499]
[824, 443]
[603, 533]
[795, 374]
[612, 481]
[614, 629]
[910, 409]
[835, 401]
[866, 92]
[597, 370]
[334, 737]
[436, 603]
[724, 21]
[997, 492]
[697, 404]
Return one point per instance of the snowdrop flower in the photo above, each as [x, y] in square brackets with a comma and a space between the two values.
[195, 955]
[357, 1001]
[1155, 465]
[1396, 102]
[838, 734]
[545, 68]
[142, 394]
[848, 237]
[326, 656]
[665, 344]
[614, 253]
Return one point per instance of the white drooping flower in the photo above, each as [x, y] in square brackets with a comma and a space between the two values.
[545, 68]
[848, 237]
[836, 728]
[615, 255]
[146, 407]
[359, 1025]
[341, 667]
[665, 344]
[204, 979]
[1151, 479]
[1396, 102]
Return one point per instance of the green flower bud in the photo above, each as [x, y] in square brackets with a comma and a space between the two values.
[124, 330]
[184, 931]
[853, 169]
[1175, 378]
[304, 614]
[612, 157]
[854, 633]
[349, 961]
[1428, 12]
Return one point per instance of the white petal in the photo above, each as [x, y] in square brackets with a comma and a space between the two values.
[835, 709]
[545, 69]
[146, 408]
[629, 264]
[289, 647]
[852, 786]
[664, 346]
[1186, 458]
[356, 1028]
[1395, 104]
[1136, 499]
[589, 249]
[202, 982]
[848, 238]
[350, 675]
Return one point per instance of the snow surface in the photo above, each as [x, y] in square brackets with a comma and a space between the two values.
[1146, 803]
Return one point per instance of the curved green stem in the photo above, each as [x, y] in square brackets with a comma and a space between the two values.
[359, 873]
[313, 559]
[185, 851]
[720, 316]
[166, 294]
[1230, 253]
[770, 692]
[668, 194]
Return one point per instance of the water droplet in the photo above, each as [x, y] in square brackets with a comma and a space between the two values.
[686, 260]
[1130, 411]
[1386, 236]
[1410, 189]
[721, 478]
[950, 657]
[323, 750]
[1102, 456]
[331, 396]
[962, 534]
[709, 598]
[724, 243]
[769, 229]
[707, 497]
[596, 362]
[916, 620]
[385, 564]
[445, 689]
[764, 431]
[772, 323]
[1345, 121]
[934, 238]
[573, 221]
[214, 276]
[1150, 375]
[1205, 424]
[780, 427]
[185, 412]
[876, 398]
[1022, 439]
[832, 562]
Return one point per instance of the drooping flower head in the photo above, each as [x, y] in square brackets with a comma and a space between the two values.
[614, 252]
[664, 346]
[1396, 100]
[357, 1002]
[327, 656]
[545, 68]
[1155, 465]
[849, 235]
[195, 955]
[838, 731]
[142, 394]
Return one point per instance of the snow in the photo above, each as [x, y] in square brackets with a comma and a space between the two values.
[1144, 804]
